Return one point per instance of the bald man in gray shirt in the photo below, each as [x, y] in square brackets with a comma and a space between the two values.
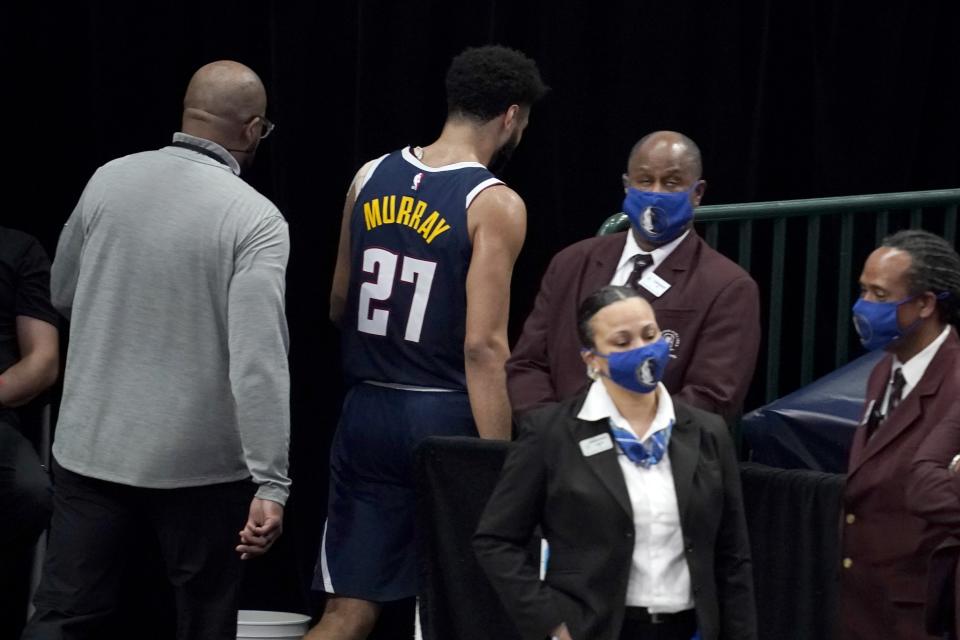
[176, 391]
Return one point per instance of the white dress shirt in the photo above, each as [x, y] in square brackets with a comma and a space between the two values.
[659, 575]
[913, 369]
[631, 248]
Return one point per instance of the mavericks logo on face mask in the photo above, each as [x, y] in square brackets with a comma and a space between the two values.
[646, 372]
[639, 369]
[659, 217]
[876, 322]
[648, 222]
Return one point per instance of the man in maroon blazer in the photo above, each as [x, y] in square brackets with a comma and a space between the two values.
[910, 296]
[934, 494]
[706, 305]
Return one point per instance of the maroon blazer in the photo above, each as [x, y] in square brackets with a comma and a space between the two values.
[934, 494]
[710, 314]
[885, 545]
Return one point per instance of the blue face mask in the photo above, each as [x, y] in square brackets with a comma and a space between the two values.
[876, 322]
[659, 217]
[639, 369]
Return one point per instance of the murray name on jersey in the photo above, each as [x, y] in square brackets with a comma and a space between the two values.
[405, 210]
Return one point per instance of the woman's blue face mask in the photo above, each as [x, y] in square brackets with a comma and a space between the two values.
[659, 218]
[639, 369]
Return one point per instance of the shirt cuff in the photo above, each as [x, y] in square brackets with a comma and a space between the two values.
[273, 492]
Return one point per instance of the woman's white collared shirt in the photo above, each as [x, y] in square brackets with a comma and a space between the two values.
[659, 575]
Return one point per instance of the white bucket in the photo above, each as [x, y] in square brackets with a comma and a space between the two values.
[276, 625]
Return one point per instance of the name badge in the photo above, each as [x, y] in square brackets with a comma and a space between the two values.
[866, 414]
[596, 444]
[654, 284]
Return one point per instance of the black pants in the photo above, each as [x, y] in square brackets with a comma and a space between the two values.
[95, 526]
[25, 499]
[678, 627]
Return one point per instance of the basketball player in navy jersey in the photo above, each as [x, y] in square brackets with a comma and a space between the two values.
[421, 293]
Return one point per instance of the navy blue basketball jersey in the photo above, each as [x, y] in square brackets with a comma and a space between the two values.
[406, 310]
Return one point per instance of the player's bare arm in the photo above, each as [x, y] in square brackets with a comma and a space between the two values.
[341, 273]
[497, 223]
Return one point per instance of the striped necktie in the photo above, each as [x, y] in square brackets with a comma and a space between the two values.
[640, 263]
[639, 453]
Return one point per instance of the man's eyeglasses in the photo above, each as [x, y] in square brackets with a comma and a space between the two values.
[267, 126]
[265, 129]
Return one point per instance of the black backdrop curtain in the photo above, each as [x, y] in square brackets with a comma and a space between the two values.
[801, 99]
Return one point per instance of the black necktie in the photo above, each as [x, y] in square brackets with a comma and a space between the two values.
[640, 262]
[896, 390]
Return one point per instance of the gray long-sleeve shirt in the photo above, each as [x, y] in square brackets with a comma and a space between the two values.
[171, 269]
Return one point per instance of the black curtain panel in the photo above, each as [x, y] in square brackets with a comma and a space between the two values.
[787, 100]
[794, 520]
[455, 477]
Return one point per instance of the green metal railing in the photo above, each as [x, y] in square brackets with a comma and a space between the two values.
[934, 210]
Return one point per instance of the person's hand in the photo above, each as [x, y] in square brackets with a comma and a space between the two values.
[264, 526]
[561, 633]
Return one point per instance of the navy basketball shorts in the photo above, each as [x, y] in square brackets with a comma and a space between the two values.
[368, 549]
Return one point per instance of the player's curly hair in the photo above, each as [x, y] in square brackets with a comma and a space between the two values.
[934, 266]
[482, 82]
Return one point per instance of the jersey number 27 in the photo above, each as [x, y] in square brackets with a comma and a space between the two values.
[373, 319]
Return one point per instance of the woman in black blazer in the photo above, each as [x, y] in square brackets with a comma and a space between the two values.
[637, 495]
